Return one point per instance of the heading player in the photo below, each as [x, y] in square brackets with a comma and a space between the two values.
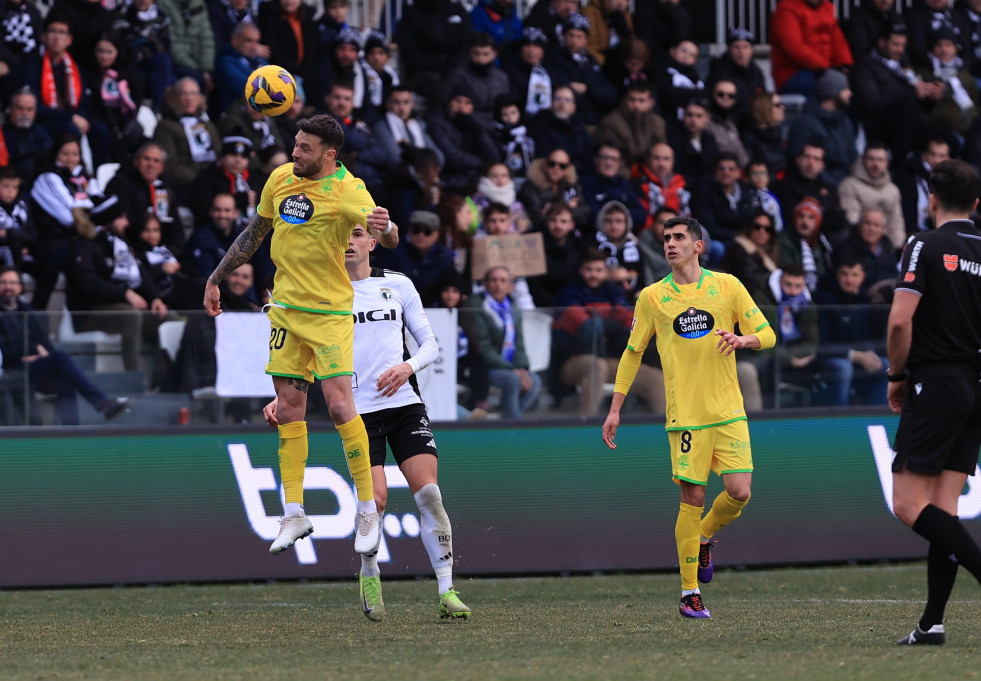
[693, 314]
[312, 205]
[387, 396]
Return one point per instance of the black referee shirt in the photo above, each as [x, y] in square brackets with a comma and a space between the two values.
[944, 267]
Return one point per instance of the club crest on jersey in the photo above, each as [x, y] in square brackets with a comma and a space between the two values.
[693, 323]
[950, 263]
[385, 293]
[296, 209]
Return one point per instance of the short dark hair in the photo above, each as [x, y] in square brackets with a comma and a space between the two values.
[592, 254]
[693, 225]
[496, 207]
[664, 209]
[482, 39]
[10, 173]
[888, 29]
[955, 185]
[726, 156]
[559, 207]
[640, 86]
[326, 128]
[792, 270]
[848, 259]
[877, 144]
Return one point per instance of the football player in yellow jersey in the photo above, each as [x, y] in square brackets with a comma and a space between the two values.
[693, 314]
[312, 205]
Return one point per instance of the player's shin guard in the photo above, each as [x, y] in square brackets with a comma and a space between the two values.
[355, 439]
[686, 536]
[724, 510]
[293, 450]
[436, 533]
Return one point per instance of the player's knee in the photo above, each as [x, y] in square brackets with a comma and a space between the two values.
[906, 509]
[740, 493]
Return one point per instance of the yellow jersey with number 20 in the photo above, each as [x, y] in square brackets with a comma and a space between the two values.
[312, 225]
[700, 383]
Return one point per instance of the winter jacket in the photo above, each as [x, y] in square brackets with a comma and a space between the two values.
[141, 198]
[945, 111]
[232, 69]
[859, 192]
[170, 135]
[632, 134]
[550, 133]
[433, 35]
[488, 335]
[206, 247]
[537, 195]
[653, 194]
[600, 96]
[879, 264]
[744, 260]
[192, 42]
[600, 23]
[921, 21]
[88, 270]
[503, 29]
[766, 144]
[713, 209]
[485, 87]
[600, 190]
[794, 187]
[274, 26]
[677, 84]
[804, 38]
[467, 149]
[862, 28]
[726, 134]
[749, 80]
[835, 132]
[562, 263]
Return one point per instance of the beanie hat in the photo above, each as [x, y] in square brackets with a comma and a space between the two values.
[108, 210]
[830, 84]
[810, 205]
[736, 33]
[236, 145]
[375, 39]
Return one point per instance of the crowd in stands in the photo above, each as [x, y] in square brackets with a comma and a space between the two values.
[589, 124]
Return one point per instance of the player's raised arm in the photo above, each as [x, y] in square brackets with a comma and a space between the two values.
[238, 254]
[382, 228]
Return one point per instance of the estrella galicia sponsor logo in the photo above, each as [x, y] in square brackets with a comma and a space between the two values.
[693, 323]
[296, 209]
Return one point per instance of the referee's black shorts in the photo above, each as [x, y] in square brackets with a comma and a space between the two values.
[940, 425]
[405, 429]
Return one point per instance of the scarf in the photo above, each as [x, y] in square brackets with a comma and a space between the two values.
[809, 260]
[115, 93]
[505, 194]
[904, 74]
[769, 204]
[49, 87]
[406, 131]
[237, 16]
[14, 217]
[266, 138]
[947, 72]
[503, 319]
[789, 307]
[539, 94]
[238, 184]
[148, 15]
[358, 78]
[125, 266]
[375, 83]
[519, 149]
[160, 202]
[198, 138]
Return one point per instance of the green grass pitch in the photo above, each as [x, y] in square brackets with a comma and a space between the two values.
[832, 623]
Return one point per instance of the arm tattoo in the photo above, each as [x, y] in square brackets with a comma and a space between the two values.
[243, 248]
[302, 386]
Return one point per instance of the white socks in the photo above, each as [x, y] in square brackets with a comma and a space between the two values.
[367, 506]
[436, 534]
[293, 510]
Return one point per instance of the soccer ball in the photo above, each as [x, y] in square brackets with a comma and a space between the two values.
[270, 90]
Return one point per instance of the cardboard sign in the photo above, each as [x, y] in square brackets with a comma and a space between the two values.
[522, 254]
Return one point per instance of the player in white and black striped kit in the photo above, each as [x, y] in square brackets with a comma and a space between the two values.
[934, 343]
[386, 395]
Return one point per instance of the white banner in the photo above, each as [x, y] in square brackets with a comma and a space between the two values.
[437, 382]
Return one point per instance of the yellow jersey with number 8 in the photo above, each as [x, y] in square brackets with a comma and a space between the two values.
[312, 225]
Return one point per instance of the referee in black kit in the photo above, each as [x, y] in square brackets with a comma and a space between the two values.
[934, 342]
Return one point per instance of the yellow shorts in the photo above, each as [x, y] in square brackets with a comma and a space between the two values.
[722, 449]
[307, 345]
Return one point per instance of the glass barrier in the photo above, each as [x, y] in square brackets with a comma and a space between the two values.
[140, 369]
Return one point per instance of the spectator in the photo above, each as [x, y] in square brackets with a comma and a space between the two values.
[18, 237]
[826, 122]
[457, 225]
[20, 28]
[661, 24]
[499, 336]
[722, 121]
[287, 27]
[60, 198]
[751, 257]
[433, 37]
[870, 187]
[589, 335]
[496, 186]
[550, 17]
[235, 62]
[658, 186]
[806, 177]
[416, 184]
[465, 143]
[380, 78]
[399, 129]
[612, 28]
[651, 243]
[27, 141]
[186, 134]
[804, 245]
[737, 66]
[211, 239]
[104, 276]
[928, 17]
[805, 40]
[192, 42]
[561, 127]
[485, 80]
[875, 252]
[695, 147]
[230, 175]
[678, 81]
[633, 126]
[516, 147]
[359, 142]
[866, 20]
[25, 345]
[333, 21]
[421, 257]
[889, 97]
[530, 80]
[339, 64]
[722, 205]
[471, 370]
[912, 181]
[225, 15]
[241, 120]
[763, 133]
[957, 108]
[797, 331]
[499, 19]
[852, 348]
[552, 180]
[118, 88]
[970, 12]
[572, 65]
[636, 66]
[142, 189]
[761, 196]
[497, 222]
[615, 239]
[145, 31]
[89, 20]
[563, 255]
[606, 184]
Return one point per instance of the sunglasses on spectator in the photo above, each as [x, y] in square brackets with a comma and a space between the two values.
[726, 95]
[422, 229]
[779, 105]
[556, 164]
[763, 225]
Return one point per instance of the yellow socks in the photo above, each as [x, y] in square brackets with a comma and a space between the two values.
[724, 510]
[686, 536]
[293, 450]
[355, 439]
